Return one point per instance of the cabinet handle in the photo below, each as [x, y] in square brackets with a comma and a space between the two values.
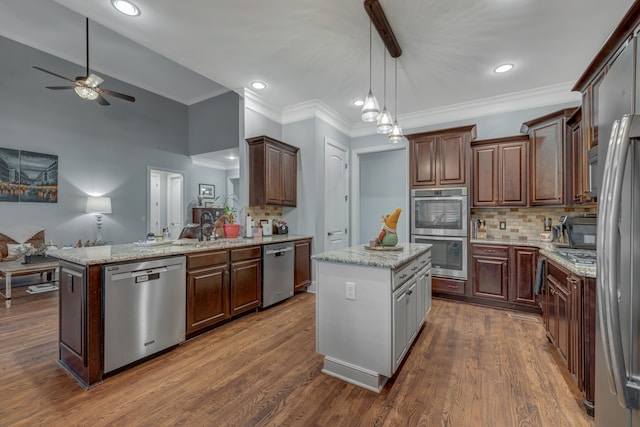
[414, 268]
[452, 286]
[403, 276]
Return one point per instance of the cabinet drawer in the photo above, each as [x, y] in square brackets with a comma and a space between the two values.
[447, 286]
[242, 254]
[487, 250]
[558, 273]
[424, 260]
[403, 273]
[207, 259]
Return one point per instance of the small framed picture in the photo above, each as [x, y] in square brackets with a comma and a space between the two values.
[207, 191]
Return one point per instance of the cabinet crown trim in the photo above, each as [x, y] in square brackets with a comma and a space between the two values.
[470, 128]
[506, 139]
[263, 138]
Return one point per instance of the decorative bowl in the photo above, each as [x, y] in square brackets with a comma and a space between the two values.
[546, 236]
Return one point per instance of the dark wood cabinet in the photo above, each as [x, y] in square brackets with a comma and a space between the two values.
[441, 158]
[523, 263]
[448, 286]
[72, 316]
[302, 264]
[490, 271]
[246, 279]
[207, 290]
[273, 172]
[500, 169]
[547, 158]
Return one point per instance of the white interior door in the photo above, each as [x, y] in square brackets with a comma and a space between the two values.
[174, 205]
[336, 197]
[154, 203]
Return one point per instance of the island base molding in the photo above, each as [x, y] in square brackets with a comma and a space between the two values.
[354, 374]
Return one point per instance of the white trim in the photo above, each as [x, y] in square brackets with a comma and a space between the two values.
[256, 103]
[355, 187]
[347, 152]
[209, 163]
[539, 97]
[315, 109]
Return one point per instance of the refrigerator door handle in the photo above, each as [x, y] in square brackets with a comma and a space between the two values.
[603, 262]
[628, 391]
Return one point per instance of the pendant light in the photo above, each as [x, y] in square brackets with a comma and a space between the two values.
[370, 108]
[396, 132]
[385, 121]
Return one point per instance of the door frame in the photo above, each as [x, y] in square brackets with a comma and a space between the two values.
[355, 187]
[166, 171]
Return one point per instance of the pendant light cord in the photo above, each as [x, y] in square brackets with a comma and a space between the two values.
[396, 91]
[385, 75]
[370, 52]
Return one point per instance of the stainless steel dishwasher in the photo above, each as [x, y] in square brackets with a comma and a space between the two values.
[277, 272]
[144, 306]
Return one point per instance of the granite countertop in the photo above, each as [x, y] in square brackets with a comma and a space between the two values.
[130, 252]
[558, 259]
[386, 259]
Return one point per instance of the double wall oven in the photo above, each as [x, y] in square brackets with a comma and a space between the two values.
[440, 217]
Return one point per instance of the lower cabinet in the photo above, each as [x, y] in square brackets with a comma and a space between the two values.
[72, 311]
[504, 274]
[448, 286]
[302, 264]
[221, 284]
[405, 320]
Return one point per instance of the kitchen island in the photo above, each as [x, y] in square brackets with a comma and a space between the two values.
[370, 306]
[223, 281]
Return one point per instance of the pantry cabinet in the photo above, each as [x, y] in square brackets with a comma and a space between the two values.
[272, 172]
[500, 170]
[441, 158]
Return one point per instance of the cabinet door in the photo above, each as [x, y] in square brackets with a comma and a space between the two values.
[485, 170]
[245, 286]
[563, 307]
[302, 263]
[289, 173]
[576, 356]
[523, 265]
[207, 297]
[547, 160]
[490, 277]
[578, 163]
[424, 161]
[72, 317]
[552, 307]
[513, 174]
[412, 312]
[452, 153]
[273, 175]
[400, 329]
[427, 295]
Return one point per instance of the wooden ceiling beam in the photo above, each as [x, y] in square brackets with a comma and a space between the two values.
[379, 20]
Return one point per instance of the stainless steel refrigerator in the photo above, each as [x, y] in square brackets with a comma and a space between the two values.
[617, 393]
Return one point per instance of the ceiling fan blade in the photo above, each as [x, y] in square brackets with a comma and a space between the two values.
[93, 81]
[116, 94]
[100, 100]
[54, 74]
[60, 87]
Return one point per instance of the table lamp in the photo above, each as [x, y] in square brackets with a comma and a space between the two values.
[99, 206]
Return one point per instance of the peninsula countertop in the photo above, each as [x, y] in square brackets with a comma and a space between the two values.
[107, 254]
[358, 255]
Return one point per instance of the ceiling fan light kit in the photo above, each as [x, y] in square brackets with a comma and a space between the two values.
[88, 86]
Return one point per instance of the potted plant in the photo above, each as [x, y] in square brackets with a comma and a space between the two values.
[231, 230]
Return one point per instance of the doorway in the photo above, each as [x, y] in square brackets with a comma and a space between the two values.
[336, 196]
[165, 201]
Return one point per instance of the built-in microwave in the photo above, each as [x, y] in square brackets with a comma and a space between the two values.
[440, 212]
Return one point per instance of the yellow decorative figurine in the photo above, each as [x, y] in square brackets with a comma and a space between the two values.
[388, 236]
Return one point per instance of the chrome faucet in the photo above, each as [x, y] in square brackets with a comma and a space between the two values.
[202, 234]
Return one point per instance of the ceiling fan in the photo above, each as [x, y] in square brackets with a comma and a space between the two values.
[88, 86]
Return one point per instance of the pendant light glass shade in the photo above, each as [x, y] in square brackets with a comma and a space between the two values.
[385, 121]
[396, 135]
[370, 108]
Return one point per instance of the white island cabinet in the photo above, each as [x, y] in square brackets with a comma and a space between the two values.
[370, 306]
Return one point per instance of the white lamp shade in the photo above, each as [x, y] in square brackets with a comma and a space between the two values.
[98, 204]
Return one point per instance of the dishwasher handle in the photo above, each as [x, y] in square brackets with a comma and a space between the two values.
[278, 252]
[148, 271]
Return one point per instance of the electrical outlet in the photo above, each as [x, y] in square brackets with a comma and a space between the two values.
[351, 291]
[503, 225]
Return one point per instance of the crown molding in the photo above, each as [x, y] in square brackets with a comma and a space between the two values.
[256, 103]
[315, 109]
[540, 97]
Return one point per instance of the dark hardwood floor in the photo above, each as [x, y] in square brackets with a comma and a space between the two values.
[470, 366]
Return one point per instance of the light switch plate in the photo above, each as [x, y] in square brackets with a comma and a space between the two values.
[503, 225]
[350, 291]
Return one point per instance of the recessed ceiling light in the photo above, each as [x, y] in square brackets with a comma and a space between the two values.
[358, 102]
[258, 85]
[126, 7]
[503, 68]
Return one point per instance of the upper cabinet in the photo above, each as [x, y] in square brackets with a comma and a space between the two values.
[500, 171]
[441, 158]
[272, 172]
[547, 158]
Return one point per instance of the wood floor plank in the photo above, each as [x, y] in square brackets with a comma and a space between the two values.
[470, 366]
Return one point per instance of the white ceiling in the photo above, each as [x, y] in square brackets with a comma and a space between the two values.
[319, 49]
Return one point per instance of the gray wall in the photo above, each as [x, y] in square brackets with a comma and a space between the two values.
[101, 150]
[214, 124]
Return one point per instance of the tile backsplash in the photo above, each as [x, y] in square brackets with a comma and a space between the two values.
[263, 212]
[523, 223]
